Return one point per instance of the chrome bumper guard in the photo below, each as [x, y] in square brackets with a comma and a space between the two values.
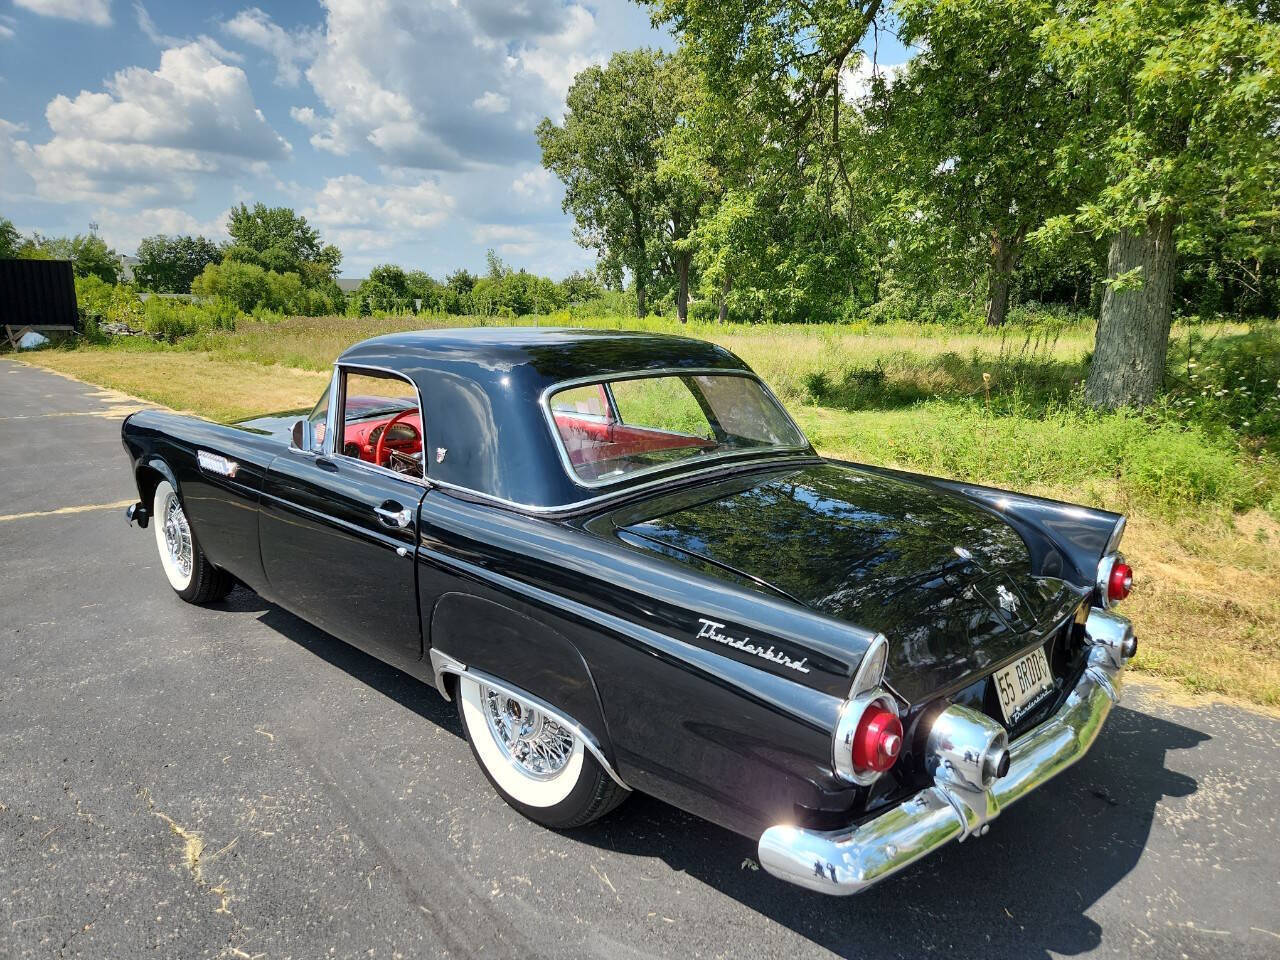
[852, 859]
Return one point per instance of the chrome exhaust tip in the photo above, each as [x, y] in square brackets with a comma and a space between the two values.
[966, 749]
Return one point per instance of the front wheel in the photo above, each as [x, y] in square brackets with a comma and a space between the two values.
[190, 573]
[539, 767]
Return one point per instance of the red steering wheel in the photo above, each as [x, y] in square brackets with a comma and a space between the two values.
[382, 437]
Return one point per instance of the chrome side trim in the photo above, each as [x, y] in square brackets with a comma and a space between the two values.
[579, 505]
[1117, 534]
[852, 859]
[874, 660]
[442, 663]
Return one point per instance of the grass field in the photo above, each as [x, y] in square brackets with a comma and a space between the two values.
[1002, 409]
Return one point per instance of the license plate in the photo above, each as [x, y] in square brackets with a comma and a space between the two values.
[1023, 684]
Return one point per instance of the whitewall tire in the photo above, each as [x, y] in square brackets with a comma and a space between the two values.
[539, 767]
[188, 570]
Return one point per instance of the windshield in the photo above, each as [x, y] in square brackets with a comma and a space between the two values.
[613, 429]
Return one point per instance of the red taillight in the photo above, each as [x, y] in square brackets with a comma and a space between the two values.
[1119, 583]
[878, 740]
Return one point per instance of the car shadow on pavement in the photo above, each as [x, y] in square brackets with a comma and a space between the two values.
[1021, 891]
[394, 684]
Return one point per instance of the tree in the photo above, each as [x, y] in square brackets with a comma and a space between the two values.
[775, 68]
[607, 154]
[973, 124]
[88, 253]
[169, 264]
[580, 287]
[276, 238]
[10, 239]
[1178, 129]
[244, 284]
[386, 288]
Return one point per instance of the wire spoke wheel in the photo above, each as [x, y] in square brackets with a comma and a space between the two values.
[531, 741]
[177, 535]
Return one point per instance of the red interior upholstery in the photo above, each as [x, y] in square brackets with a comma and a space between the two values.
[589, 440]
[359, 433]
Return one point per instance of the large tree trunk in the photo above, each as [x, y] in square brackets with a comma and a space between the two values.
[682, 292]
[641, 307]
[999, 278]
[725, 287]
[1133, 329]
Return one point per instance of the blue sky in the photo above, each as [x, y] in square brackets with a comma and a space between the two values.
[403, 129]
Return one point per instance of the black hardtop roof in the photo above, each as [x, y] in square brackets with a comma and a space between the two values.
[548, 354]
[482, 387]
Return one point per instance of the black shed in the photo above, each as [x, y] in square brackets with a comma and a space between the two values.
[37, 295]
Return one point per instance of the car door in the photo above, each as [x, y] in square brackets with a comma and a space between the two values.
[339, 538]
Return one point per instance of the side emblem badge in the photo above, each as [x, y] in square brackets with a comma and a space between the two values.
[440, 452]
[215, 463]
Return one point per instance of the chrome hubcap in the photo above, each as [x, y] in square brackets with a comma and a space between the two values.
[535, 744]
[177, 535]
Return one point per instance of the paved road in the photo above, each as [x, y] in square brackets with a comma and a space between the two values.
[231, 782]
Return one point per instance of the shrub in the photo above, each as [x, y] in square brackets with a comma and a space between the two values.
[175, 320]
[1228, 383]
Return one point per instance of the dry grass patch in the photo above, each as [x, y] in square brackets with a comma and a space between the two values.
[208, 386]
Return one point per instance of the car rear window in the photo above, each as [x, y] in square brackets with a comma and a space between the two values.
[612, 429]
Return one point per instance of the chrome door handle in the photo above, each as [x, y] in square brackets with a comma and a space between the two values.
[394, 518]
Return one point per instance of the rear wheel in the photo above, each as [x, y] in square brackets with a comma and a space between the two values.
[539, 767]
[190, 573]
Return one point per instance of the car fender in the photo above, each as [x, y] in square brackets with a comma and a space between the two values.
[517, 649]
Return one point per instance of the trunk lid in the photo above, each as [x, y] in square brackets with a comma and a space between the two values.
[945, 580]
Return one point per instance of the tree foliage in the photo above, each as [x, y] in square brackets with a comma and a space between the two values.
[10, 239]
[278, 239]
[607, 153]
[169, 264]
[1180, 111]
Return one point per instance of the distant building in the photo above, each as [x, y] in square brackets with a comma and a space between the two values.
[349, 285]
[127, 263]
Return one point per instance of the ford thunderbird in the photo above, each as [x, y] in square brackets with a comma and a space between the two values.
[622, 560]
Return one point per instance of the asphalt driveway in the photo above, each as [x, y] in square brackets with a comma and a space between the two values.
[231, 782]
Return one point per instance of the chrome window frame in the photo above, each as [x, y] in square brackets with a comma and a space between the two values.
[608, 378]
[337, 399]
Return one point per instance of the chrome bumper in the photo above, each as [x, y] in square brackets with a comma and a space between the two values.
[850, 860]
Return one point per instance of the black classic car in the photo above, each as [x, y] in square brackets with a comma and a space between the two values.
[623, 560]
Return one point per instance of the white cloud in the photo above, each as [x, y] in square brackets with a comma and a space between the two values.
[559, 57]
[149, 133]
[161, 39]
[509, 239]
[359, 216]
[419, 83]
[6, 27]
[536, 184]
[291, 50]
[97, 12]
[491, 103]
[124, 231]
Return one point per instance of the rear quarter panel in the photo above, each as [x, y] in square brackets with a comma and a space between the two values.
[734, 743]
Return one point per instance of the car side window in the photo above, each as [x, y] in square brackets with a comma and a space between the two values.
[381, 421]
